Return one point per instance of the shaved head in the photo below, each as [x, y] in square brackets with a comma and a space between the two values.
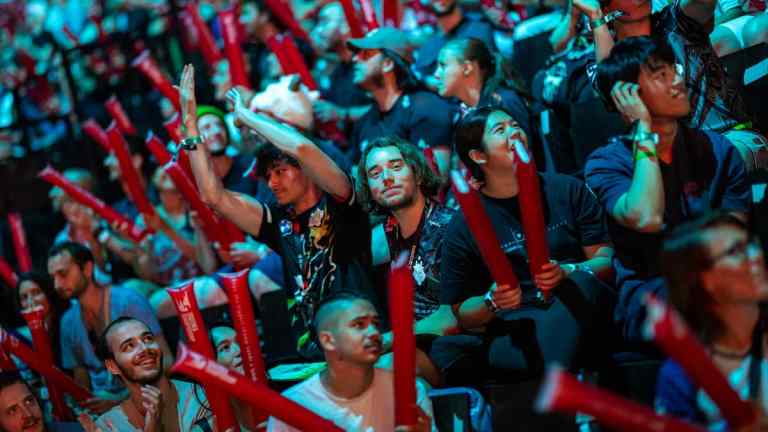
[327, 316]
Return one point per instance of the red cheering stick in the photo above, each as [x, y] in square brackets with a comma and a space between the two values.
[36, 322]
[206, 42]
[173, 127]
[190, 38]
[297, 61]
[117, 112]
[46, 369]
[482, 231]
[9, 276]
[369, 14]
[19, 239]
[671, 333]
[232, 48]
[232, 234]
[531, 209]
[210, 223]
[128, 172]
[355, 28]
[564, 393]
[194, 328]
[391, 13]
[241, 307]
[282, 11]
[96, 133]
[403, 341]
[205, 370]
[85, 198]
[275, 44]
[158, 149]
[146, 65]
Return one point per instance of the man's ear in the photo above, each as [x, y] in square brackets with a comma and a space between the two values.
[326, 340]
[478, 157]
[387, 65]
[111, 366]
[468, 67]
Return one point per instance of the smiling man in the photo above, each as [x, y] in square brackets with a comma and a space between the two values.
[352, 392]
[71, 267]
[156, 403]
[20, 411]
[661, 175]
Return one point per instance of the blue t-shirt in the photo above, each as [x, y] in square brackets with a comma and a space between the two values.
[76, 348]
[706, 173]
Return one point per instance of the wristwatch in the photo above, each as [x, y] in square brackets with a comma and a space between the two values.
[605, 19]
[489, 303]
[574, 267]
[190, 143]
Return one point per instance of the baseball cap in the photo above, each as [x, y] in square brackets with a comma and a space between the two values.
[384, 38]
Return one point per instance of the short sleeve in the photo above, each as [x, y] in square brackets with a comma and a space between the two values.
[590, 217]
[608, 178]
[456, 261]
[269, 232]
[676, 394]
[67, 342]
[138, 307]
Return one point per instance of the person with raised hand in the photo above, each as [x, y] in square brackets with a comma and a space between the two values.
[315, 198]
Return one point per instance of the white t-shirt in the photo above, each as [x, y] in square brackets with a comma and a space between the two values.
[372, 411]
[190, 411]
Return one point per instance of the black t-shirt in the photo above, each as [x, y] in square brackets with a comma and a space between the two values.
[422, 118]
[424, 250]
[573, 217]
[325, 250]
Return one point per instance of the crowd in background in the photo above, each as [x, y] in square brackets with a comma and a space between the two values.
[324, 153]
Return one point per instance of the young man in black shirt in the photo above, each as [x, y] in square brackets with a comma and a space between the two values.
[400, 108]
[315, 199]
[665, 175]
[395, 181]
[515, 331]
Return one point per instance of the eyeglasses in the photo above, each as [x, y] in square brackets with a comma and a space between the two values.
[744, 249]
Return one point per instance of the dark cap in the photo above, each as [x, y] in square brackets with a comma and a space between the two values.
[384, 38]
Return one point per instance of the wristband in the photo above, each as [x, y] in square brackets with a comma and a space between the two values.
[190, 143]
[603, 20]
[489, 303]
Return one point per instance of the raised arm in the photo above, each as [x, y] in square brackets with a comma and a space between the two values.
[244, 211]
[642, 207]
[314, 162]
[602, 35]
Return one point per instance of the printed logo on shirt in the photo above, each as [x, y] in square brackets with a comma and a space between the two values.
[286, 227]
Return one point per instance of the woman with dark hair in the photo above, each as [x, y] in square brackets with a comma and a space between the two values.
[35, 290]
[519, 331]
[469, 71]
[717, 278]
